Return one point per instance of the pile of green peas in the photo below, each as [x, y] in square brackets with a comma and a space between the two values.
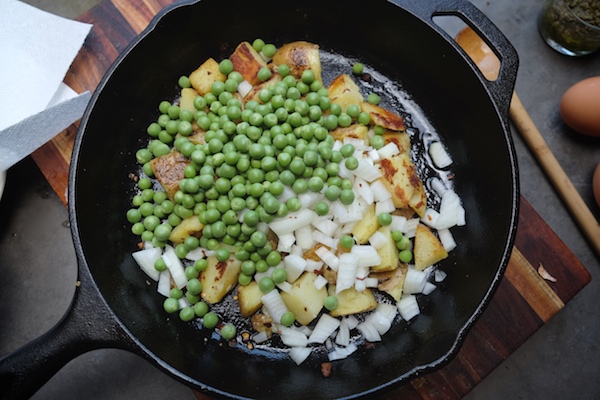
[233, 180]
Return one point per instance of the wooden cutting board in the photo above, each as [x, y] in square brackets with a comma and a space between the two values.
[523, 298]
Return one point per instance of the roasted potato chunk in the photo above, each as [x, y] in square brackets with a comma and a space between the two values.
[351, 301]
[188, 227]
[253, 94]
[247, 62]
[400, 139]
[392, 282]
[299, 56]
[219, 278]
[402, 181]
[355, 131]
[249, 298]
[382, 117]
[428, 249]
[388, 253]
[206, 74]
[343, 91]
[367, 226]
[186, 101]
[305, 300]
[168, 170]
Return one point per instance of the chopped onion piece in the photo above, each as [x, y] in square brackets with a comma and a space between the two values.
[439, 275]
[358, 144]
[309, 199]
[385, 206]
[343, 335]
[439, 155]
[408, 307]
[285, 286]
[410, 227]
[345, 173]
[324, 239]
[324, 328]
[339, 353]
[374, 155]
[367, 171]
[398, 223]
[292, 337]
[429, 287]
[287, 194]
[346, 272]
[260, 337]
[148, 245]
[184, 302]
[274, 305]
[294, 266]
[380, 191]
[164, 283]
[430, 217]
[312, 265]
[447, 239]
[292, 221]
[451, 211]
[438, 186]
[414, 281]
[378, 240]
[175, 267]
[244, 88]
[325, 225]
[328, 257]
[363, 189]
[304, 237]
[320, 282]
[299, 354]
[352, 321]
[379, 321]
[369, 332]
[360, 285]
[197, 254]
[389, 150]
[285, 242]
[371, 282]
[146, 259]
[367, 256]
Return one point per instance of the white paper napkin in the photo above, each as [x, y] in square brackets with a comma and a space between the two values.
[36, 50]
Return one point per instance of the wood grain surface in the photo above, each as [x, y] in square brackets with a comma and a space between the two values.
[523, 298]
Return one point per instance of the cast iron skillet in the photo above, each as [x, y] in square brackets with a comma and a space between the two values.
[113, 307]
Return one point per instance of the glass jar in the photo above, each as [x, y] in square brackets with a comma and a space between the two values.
[571, 27]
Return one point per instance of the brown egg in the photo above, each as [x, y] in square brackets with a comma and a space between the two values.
[580, 106]
[596, 184]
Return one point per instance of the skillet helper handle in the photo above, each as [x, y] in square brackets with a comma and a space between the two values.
[500, 89]
[87, 325]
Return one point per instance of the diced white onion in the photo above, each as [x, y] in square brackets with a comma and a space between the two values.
[196, 254]
[313, 265]
[439, 275]
[260, 337]
[429, 287]
[164, 283]
[367, 256]
[363, 189]
[360, 285]
[410, 227]
[447, 239]
[324, 328]
[304, 237]
[369, 332]
[292, 337]
[339, 353]
[184, 302]
[388, 310]
[294, 266]
[299, 354]
[371, 282]
[389, 150]
[285, 242]
[385, 206]
[438, 186]
[414, 281]
[292, 221]
[398, 223]
[274, 305]
[346, 272]
[146, 259]
[343, 335]
[328, 257]
[408, 307]
[367, 171]
[244, 88]
[374, 155]
[287, 194]
[175, 267]
[322, 238]
[309, 199]
[378, 240]
[320, 282]
[439, 155]
[285, 286]
[325, 225]
[380, 322]
[380, 191]
[352, 321]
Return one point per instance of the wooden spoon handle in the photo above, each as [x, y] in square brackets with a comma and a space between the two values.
[557, 175]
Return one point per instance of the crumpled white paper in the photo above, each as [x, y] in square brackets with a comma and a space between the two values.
[36, 51]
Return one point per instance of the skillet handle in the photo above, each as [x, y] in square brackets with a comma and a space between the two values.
[87, 325]
[502, 88]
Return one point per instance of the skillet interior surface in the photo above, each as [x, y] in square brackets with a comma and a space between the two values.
[396, 44]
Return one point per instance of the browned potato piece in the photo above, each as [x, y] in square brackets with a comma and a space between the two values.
[382, 117]
[402, 181]
[428, 249]
[206, 74]
[186, 102]
[247, 62]
[343, 91]
[249, 298]
[188, 227]
[253, 94]
[304, 299]
[351, 301]
[388, 253]
[168, 170]
[219, 278]
[355, 131]
[198, 136]
[299, 56]
[392, 282]
[367, 226]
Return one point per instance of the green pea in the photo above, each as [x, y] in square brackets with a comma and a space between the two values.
[176, 293]
[222, 254]
[162, 232]
[322, 208]
[264, 74]
[226, 66]
[364, 118]
[332, 193]
[244, 279]
[200, 309]
[377, 142]
[266, 284]
[300, 186]
[373, 98]
[201, 264]
[405, 256]
[346, 196]
[330, 303]
[258, 239]
[279, 275]
[357, 68]
[379, 130]
[403, 243]
[171, 305]
[228, 331]
[258, 44]
[384, 219]
[347, 241]
[287, 318]
[210, 320]
[283, 70]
